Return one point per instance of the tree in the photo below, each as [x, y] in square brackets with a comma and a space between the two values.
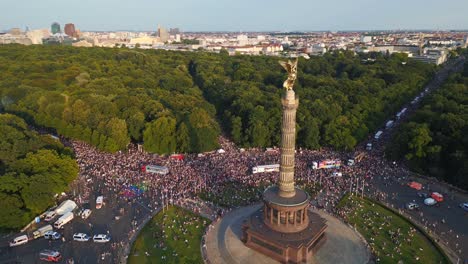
[310, 134]
[419, 139]
[183, 138]
[160, 136]
[116, 130]
[236, 132]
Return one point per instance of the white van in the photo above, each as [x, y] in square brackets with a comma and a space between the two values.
[101, 238]
[41, 231]
[63, 220]
[19, 241]
[50, 215]
[99, 202]
[82, 237]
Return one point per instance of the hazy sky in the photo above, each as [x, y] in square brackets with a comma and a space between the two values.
[237, 15]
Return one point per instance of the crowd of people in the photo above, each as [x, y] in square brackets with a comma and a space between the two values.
[213, 172]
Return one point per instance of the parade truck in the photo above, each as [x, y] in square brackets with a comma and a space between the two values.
[163, 170]
[265, 168]
[326, 164]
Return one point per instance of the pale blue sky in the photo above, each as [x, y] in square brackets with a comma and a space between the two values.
[238, 15]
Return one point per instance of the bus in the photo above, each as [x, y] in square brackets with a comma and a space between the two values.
[326, 164]
[266, 168]
[163, 170]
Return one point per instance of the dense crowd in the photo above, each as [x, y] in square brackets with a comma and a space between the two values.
[213, 172]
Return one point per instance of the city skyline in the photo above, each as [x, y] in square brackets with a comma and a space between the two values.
[210, 15]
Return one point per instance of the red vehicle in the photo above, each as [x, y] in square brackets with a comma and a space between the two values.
[437, 196]
[415, 185]
[50, 256]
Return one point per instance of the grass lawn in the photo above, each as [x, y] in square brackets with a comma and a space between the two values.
[234, 195]
[391, 237]
[170, 237]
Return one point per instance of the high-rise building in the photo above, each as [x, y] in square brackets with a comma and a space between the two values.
[70, 29]
[163, 34]
[55, 28]
[174, 31]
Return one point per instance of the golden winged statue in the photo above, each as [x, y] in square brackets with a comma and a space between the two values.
[291, 68]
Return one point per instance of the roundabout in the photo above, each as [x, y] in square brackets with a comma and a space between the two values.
[224, 245]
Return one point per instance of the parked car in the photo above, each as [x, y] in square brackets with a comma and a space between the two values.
[464, 206]
[429, 201]
[23, 239]
[52, 235]
[82, 237]
[101, 238]
[437, 196]
[423, 195]
[50, 255]
[412, 206]
[85, 213]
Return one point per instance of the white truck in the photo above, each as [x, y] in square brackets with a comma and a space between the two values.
[64, 219]
[378, 134]
[41, 231]
[389, 124]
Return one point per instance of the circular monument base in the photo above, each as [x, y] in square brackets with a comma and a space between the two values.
[224, 245]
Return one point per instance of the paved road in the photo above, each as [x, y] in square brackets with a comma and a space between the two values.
[100, 221]
[447, 220]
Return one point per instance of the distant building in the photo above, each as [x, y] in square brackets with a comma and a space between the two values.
[163, 34]
[15, 31]
[55, 28]
[82, 43]
[242, 40]
[434, 56]
[37, 35]
[174, 31]
[366, 39]
[57, 39]
[70, 30]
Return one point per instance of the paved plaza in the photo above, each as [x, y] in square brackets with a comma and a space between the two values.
[223, 244]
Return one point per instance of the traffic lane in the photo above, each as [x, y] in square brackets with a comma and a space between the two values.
[455, 218]
[29, 252]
